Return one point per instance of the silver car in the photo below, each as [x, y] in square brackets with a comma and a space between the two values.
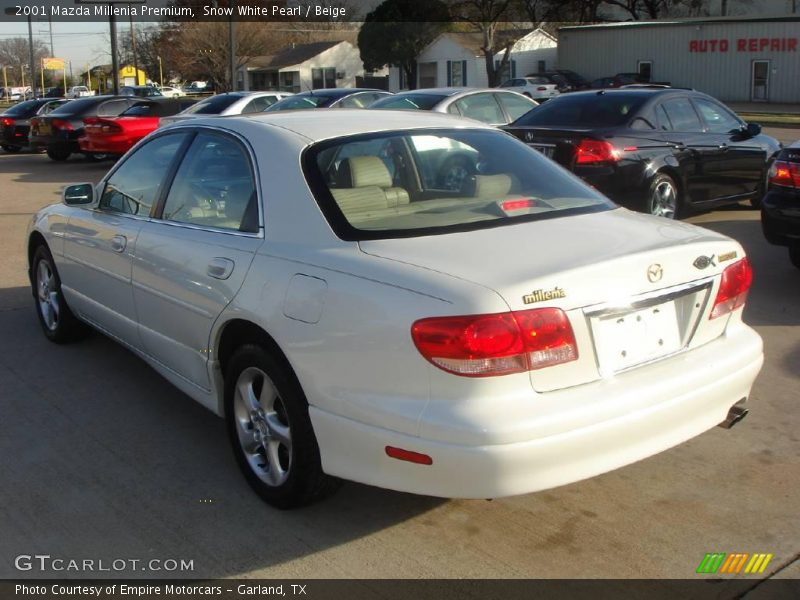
[230, 103]
[487, 105]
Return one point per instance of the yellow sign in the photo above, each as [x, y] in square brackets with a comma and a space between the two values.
[53, 64]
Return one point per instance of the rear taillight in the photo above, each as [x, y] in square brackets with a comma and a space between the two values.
[62, 124]
[733, 288]
[110, 128]
[7, 122]
[785, 173]
[595, 151]
[496, 344]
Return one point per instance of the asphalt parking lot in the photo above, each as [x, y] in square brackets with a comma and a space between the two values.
[103, 459]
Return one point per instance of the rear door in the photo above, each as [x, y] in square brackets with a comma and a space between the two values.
[192, 258]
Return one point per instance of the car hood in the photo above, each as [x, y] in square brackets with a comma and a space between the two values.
[575, 261]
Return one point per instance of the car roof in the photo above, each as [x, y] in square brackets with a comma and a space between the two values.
[316, 125]
[337, 91]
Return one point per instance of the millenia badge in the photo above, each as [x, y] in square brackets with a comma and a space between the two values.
[732, 564]
[542, 295]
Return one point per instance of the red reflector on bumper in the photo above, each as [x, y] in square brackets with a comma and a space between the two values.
[408, 455]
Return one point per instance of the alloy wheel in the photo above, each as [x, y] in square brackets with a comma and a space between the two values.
[664, 200]
[47, 295]
[262, 427]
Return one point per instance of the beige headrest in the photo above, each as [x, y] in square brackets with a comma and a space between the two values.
[492, 186]
[368, 171]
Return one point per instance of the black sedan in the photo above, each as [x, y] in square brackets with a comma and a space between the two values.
[15, 123]
[780, 211]
[662, 151]
[59, 131]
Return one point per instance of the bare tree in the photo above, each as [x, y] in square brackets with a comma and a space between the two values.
[204, 50]
[14, 53]
[485, 17]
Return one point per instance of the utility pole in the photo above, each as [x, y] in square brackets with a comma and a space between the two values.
[133, 48]
[232, 45]
[112, 24]
[50, 21]
[30, 52]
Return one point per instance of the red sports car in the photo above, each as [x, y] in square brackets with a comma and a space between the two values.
[114, 136]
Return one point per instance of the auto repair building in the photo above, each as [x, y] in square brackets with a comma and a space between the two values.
[735, 59]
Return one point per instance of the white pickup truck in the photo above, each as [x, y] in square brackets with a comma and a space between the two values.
[80, 91]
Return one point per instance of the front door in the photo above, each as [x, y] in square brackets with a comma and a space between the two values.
[100, 243]
[759, 91]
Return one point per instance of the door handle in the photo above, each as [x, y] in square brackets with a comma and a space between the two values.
[723, 147]
[118, 243]
[220, 268]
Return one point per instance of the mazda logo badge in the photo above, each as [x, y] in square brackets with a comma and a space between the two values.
[654, 273]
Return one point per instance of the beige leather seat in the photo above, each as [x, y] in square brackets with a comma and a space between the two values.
[366, 186]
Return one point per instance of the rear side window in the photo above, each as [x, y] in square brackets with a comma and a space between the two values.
[481, 107]
[214, 187]
[514, 105]
[682, 116]
[136, 185]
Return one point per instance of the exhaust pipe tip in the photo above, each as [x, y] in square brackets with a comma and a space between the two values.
[735, 414]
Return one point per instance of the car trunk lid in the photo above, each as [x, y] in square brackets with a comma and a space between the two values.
[634, 287]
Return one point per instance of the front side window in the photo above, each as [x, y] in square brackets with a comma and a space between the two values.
[403, 184]
[718, 120]
[136, 185]
[214, 187]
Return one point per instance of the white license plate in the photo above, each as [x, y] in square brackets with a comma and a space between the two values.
[639, 336]
[548, 151]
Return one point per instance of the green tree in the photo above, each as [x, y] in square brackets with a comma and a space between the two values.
[397, 31]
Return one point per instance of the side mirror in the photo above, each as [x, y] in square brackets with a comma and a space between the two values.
[77, 194]
[753, 129]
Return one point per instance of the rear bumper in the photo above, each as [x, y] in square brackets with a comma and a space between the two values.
[677, 399]
[780, 217]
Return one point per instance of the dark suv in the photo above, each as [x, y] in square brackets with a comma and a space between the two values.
[661, 151]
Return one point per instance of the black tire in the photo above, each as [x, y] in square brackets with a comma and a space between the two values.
[65, 327]
[11, 149]
[262, 422]
[663, 203]
[58, 154]
[794, 254]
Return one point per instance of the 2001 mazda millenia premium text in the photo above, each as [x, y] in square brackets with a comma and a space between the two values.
[308, 277]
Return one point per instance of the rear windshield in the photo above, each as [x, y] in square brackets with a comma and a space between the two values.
[585, 110]
[299, 102]
[23, 108]
[74, 107]
[425, 182]
[212, 106]
[409, 102]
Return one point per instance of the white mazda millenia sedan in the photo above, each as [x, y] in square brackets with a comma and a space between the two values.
[408, 300]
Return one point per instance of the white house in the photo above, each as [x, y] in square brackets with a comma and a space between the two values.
[456, 59]
[301, 67]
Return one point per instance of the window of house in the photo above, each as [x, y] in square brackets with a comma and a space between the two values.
[323, 78]
[457, 72]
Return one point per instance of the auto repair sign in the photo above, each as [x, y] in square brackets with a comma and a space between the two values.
[776, 44]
